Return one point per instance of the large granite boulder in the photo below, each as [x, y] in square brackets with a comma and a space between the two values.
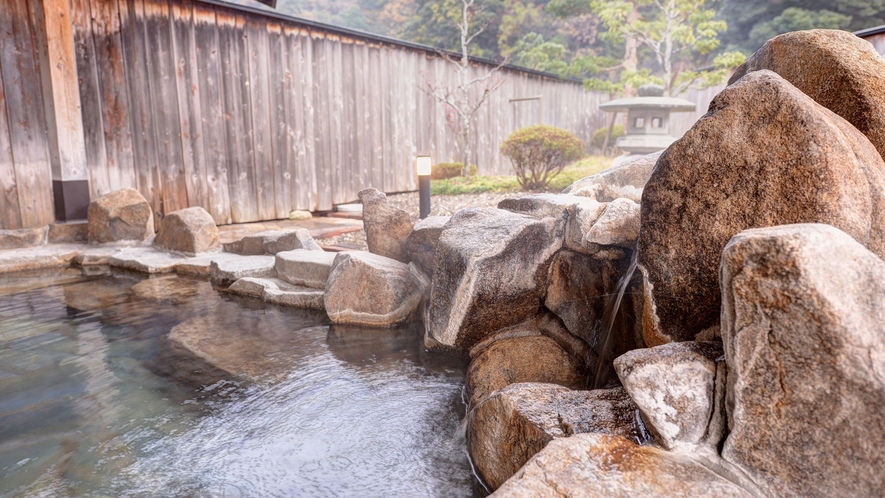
[530, 358]
[191, 230]
[421, 242]
[804, 336]
[576, 214]
[625, 180]
[371, 290]
[516, 422]
[491, 273]
[674, 387]
[765, 154]
[120, 216]
[387, 227]
[840, 71]
[601, 465]
[305, 267]
[618, 225]
[273, 242]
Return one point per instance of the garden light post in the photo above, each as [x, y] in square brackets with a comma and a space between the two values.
[424, 165]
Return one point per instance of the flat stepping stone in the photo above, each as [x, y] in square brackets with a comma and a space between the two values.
[145, 260]
[304, 267]
[199, 265]
[224, 272]
[33, 258]
[96, 256]
[276, 291]
[273, 242]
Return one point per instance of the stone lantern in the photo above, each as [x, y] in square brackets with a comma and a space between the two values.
[648, 119]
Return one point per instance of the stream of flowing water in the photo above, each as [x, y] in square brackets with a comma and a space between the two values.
[91, 405]
[610, 317]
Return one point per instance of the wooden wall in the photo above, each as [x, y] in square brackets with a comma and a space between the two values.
[248, 115]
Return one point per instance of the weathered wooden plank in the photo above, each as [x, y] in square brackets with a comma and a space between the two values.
[238, 117]
[10, 216]
[298, 168]
[90, 98]
[167, 127]
[259, 93]
[190, 115]
[213, 116]
[114, 103]
[141, 104]
[349, 168]
[376, 117]
[281, 129]
[309, 175]
[363, 122]
[322, 120]
[26, 118]
[336, 100]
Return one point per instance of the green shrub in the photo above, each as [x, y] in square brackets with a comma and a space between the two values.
[598, 139]
[540, 152]
[444, 171]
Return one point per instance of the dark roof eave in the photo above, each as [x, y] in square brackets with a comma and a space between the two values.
[355, 33]
[878, 30]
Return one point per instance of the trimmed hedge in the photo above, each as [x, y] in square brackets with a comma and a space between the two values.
[444, 171]
[540, 152]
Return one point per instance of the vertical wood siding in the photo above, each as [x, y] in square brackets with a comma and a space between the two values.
[247, 115]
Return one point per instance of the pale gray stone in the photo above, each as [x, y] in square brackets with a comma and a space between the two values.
[576, 214]
[273, 242]
[305, 267]
[224, 272]
[804, 335]
[618, 225]
[422, 240]
[276, 291]
[24, 237]
[96, 256]
[145, 260]
[199, 265]
[673, 385]
[120, 216]
[387, 227]
[623, 180]
[189, 231]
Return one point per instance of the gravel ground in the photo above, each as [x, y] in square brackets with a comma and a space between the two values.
[440, 205]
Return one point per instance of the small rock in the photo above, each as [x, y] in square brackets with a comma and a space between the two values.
[422, 240]
[490, 274]
[272, 242]
[300, 215]
[839, 70]
[614, 182]
[276, 291]
[199, 265]
[96, 256]
[386, 227]
[512, 360]
[516, 422]
[25, 237]
[304, 267]
[224, 272]
[618, 225]
[576, 214]
[371, 290]
[71, 232]
[120, 216]
[598, 465]
[189, 231]
[673, 385]
[804, 335]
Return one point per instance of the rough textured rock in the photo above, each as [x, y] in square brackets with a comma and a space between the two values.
[25, 237]
[491, 273]
[191, 230]
[145, 260]
[840, 71]
[273, 242]
[740, 167]
[625, 180]
[304, 267]
[421, 242]
[387, 227]
[71, 232]
[97, 256]
[600, 465]
[122, 215]
[579, 289]
[673, 385]
[224, 272]
[511, 360]
[804, 337]
[276, 291]
[618, 225]
[371, 290]
[199, 265]
[516, 422]
[576, 214]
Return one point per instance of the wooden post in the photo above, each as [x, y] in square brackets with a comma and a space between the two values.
[64, 119]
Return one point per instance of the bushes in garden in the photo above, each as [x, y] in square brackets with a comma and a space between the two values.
[444, 171]
[540, 152]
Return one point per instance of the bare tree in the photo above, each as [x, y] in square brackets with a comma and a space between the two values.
[463, 100]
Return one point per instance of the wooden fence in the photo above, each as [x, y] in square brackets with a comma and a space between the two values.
[246, 114]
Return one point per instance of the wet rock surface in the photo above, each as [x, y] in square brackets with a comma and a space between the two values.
[673, 385]
[145, 260]
[276, 291]
[512, 360]
[491, 272]
[34, 258]
[594, 465]
[738, 168]
[371, 290]
[224, 272]
[120, 216]
[804, 337]
[305, 267]
[174, 290]
[190, 231]
[387, 227]
[839, 70]
[516, 422]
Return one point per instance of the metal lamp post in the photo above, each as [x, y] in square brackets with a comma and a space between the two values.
[424, 165]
